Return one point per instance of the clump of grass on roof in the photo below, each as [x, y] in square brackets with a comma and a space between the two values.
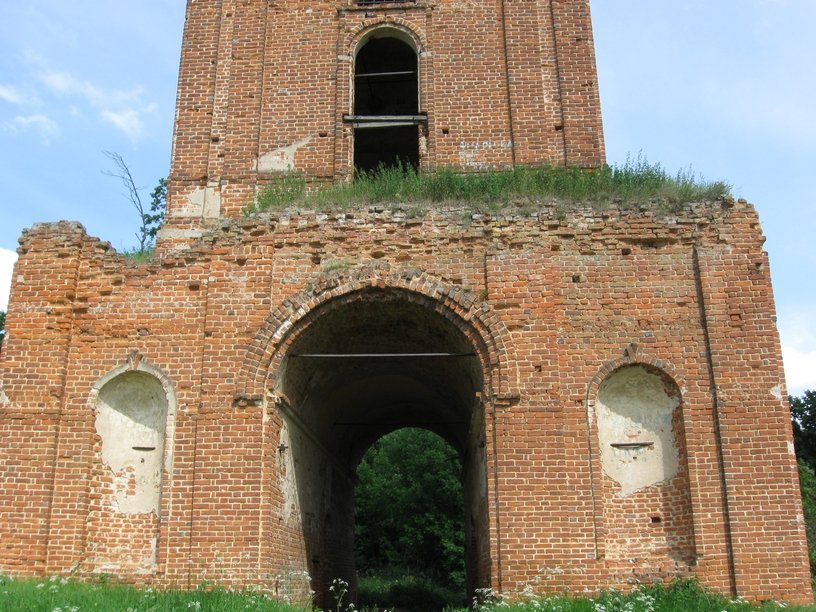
[634, 183]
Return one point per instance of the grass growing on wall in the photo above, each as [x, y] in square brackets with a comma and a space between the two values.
[636, 182]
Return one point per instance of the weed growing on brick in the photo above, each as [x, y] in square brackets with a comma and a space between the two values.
[636, 182]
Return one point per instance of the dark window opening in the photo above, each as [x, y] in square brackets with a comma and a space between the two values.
[386, 146]
[386, 105]
[385, 79]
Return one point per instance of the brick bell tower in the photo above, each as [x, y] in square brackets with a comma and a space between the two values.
[322, 89]
[612, 382]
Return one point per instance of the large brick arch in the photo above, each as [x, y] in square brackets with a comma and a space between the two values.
[477, 321]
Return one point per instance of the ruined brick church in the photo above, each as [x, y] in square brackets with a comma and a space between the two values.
[612, 379]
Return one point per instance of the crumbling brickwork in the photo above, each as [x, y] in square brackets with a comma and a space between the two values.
[259, 484]
[266, 87]
[612, 378]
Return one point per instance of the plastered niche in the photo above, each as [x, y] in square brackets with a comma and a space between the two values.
[131, 418]
[635, 412]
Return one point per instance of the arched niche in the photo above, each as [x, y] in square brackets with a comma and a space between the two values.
[131, 420]
[134, 421]
[647, 512]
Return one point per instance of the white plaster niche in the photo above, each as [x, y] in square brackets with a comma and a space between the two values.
[635, 409]
[131, 419]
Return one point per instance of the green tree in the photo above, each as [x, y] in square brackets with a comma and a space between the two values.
[158, 204]
[410, 509]
[2, 326]
[803, 418]
[807, 487]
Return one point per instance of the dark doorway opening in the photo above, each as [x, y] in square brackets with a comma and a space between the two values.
[409, 536]
[366, 365]
[386, 114]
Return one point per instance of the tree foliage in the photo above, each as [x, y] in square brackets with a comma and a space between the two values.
[2, 326]
[410, 514]
[803, 419]
[807, 487]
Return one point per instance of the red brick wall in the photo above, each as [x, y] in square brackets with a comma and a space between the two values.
[256, 492]
[556, 305]
[503, 83]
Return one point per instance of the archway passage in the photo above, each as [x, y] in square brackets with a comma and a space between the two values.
[361, 367]
[386, 104]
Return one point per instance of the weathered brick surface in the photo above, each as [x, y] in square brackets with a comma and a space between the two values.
[259, 441]
[502, 83]
[553, 307]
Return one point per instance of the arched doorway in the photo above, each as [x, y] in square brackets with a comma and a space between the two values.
[362, 366]
[386, 115]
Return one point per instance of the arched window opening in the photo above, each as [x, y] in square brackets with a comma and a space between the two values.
[409, 532]
[385, 78]
[386, 117]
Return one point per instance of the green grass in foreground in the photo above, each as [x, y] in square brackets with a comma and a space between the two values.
[61, 595]
[521, 190]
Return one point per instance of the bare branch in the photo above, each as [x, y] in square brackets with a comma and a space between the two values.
[122, 173]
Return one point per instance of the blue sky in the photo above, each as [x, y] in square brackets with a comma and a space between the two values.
[724, 86]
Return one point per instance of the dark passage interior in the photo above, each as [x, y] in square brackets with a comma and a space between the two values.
[386, 105]
[366, 365]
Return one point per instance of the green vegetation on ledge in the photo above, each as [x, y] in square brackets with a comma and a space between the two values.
[524, 189]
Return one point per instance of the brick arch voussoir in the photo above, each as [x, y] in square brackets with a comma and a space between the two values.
[474, 318]
[354, 36]
[632, 355]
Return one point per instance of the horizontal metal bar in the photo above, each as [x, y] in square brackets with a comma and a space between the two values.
[377, 355]
[383, 124]
[371, 118]
[399, 424]
[378, 74]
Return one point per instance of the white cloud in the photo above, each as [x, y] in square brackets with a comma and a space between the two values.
[129, 121]
[800, 369]
[11, 94]
[44, 126]
[122, 109]
[797, 329]
[7, 259]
